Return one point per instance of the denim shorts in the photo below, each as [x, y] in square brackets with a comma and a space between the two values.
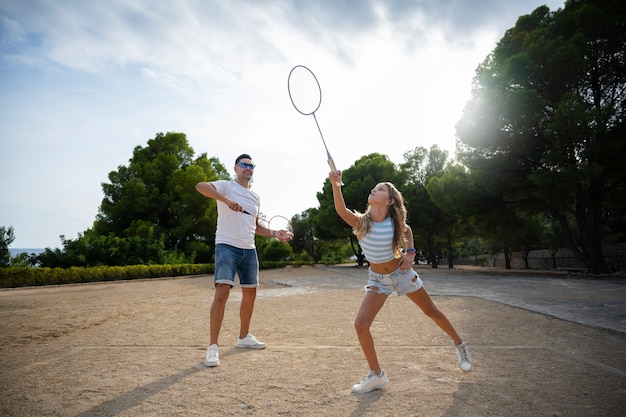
[229, 259]
[399, 281]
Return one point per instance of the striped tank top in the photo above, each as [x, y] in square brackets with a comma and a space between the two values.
[377, 244]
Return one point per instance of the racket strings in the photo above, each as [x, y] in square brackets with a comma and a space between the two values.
[304, 90]
[280, 223]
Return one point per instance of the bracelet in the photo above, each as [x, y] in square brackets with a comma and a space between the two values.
[407, 250]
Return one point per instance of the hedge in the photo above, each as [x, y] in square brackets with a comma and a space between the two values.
[13, 277]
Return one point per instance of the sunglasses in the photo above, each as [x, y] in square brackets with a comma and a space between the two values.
[245, 165]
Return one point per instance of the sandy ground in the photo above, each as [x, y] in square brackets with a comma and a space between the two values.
[136, 349]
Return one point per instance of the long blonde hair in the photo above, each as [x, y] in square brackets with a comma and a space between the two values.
[396, 211]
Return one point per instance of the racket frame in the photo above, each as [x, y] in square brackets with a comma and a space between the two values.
[269, 222]
[329, 158]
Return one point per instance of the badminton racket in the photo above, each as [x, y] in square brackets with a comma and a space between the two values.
[280, 224]
[305, 93]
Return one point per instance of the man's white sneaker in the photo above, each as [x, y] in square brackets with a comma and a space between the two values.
[463, 357]
[212, 356]
[370, 383]
[249, 342]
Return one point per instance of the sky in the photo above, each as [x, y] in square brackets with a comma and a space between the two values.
[82, 83]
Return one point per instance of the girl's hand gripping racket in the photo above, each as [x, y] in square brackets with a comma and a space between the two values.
[281, 227]
[305, 93]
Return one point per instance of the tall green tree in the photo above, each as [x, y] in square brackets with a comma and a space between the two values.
[359, 179]
[454, 194]
[155, 194]
[545, 128]
[427, 221]
[304, 239]
[470, 207]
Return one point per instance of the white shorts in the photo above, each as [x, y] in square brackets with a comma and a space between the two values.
[402, 282]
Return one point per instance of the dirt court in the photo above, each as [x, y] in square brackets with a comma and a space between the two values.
[136, 349]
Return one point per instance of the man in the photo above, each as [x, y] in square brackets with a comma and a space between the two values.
[235, 251]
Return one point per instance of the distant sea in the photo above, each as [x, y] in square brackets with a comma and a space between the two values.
[17, 251]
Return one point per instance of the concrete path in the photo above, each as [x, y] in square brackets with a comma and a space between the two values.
[596, 302]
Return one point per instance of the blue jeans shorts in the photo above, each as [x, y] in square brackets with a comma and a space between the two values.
[399, 281]
[230, 260]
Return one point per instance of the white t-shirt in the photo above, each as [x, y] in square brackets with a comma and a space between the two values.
[235, 228]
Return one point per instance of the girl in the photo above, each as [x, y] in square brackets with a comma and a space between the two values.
[387, 242]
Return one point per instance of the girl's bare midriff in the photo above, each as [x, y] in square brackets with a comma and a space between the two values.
[386, 267]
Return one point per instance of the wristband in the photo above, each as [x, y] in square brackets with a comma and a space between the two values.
[407, 250]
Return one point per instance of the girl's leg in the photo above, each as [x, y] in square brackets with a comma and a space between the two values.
[423, 301]
[370, 306]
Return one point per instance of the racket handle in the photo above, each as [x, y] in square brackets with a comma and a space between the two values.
[333, 168]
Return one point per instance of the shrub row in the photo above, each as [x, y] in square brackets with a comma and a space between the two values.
[13, 277]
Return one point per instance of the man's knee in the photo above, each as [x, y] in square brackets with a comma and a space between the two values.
[222, 291]
[248, 295]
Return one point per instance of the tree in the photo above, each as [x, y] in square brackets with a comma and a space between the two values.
[426, 219]
[304, 239]
[359, 180]
[545, 128]
[155, 194]
[93, 249]
[453, 193]
[7, 236]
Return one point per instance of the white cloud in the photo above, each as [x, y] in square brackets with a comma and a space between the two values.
[83, 83]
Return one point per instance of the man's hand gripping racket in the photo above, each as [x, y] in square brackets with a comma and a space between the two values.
[280, 226]
[305, 93]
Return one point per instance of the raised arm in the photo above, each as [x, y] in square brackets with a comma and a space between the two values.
[340, 205]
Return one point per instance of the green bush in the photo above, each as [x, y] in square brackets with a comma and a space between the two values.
[277, 251]
[13, 277]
